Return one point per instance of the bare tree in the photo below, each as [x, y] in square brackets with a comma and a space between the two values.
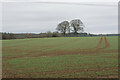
[77, 25]
[69, 29]
[63, 27]
[56, 34]
[49, 34]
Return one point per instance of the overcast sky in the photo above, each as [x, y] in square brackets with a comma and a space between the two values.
[42, 17]
[60, 1]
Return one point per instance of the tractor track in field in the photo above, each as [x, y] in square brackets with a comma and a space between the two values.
[31, 53]
[97, 49]
[100, 43]
[59, 52]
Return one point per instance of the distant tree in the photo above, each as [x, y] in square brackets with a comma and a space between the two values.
[63, 26]
[8, 36]
[3, 35]
[29, 35]
[12, 36]
[0, 36]
[42, 35]
[49, 34]
[56, 34]
[77, 25]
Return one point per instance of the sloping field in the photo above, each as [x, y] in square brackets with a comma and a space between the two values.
[64, 57]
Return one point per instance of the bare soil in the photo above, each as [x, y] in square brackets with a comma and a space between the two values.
[96, 50]
[59, 52]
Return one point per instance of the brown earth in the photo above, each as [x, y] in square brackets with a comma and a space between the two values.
[99, 44]
[11, 73]
[59, 52]
[8, 73]
[97, 50]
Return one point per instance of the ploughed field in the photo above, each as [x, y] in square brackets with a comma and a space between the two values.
[62, 57]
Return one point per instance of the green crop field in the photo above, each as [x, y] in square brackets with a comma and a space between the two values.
[61, 57]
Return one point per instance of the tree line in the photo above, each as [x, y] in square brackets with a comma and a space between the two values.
[64, 29]
[29, 35]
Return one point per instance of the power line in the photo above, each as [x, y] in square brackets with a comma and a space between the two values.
[81, 3]
[73, 3]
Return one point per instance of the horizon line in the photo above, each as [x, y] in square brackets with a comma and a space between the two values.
[52, 32]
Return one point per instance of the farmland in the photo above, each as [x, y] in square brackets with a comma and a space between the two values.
[61, 57]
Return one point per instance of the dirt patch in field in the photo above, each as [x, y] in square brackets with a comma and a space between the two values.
[65, 52]
[32, 53]
[76, 70]
[11, 73]
[106, 43]
[59, 52]
[99, 44]
[95, 50]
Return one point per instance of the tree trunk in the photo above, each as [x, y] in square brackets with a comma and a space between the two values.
[75, 33]
[64, 34]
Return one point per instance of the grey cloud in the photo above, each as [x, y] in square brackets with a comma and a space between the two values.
[41, 17]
